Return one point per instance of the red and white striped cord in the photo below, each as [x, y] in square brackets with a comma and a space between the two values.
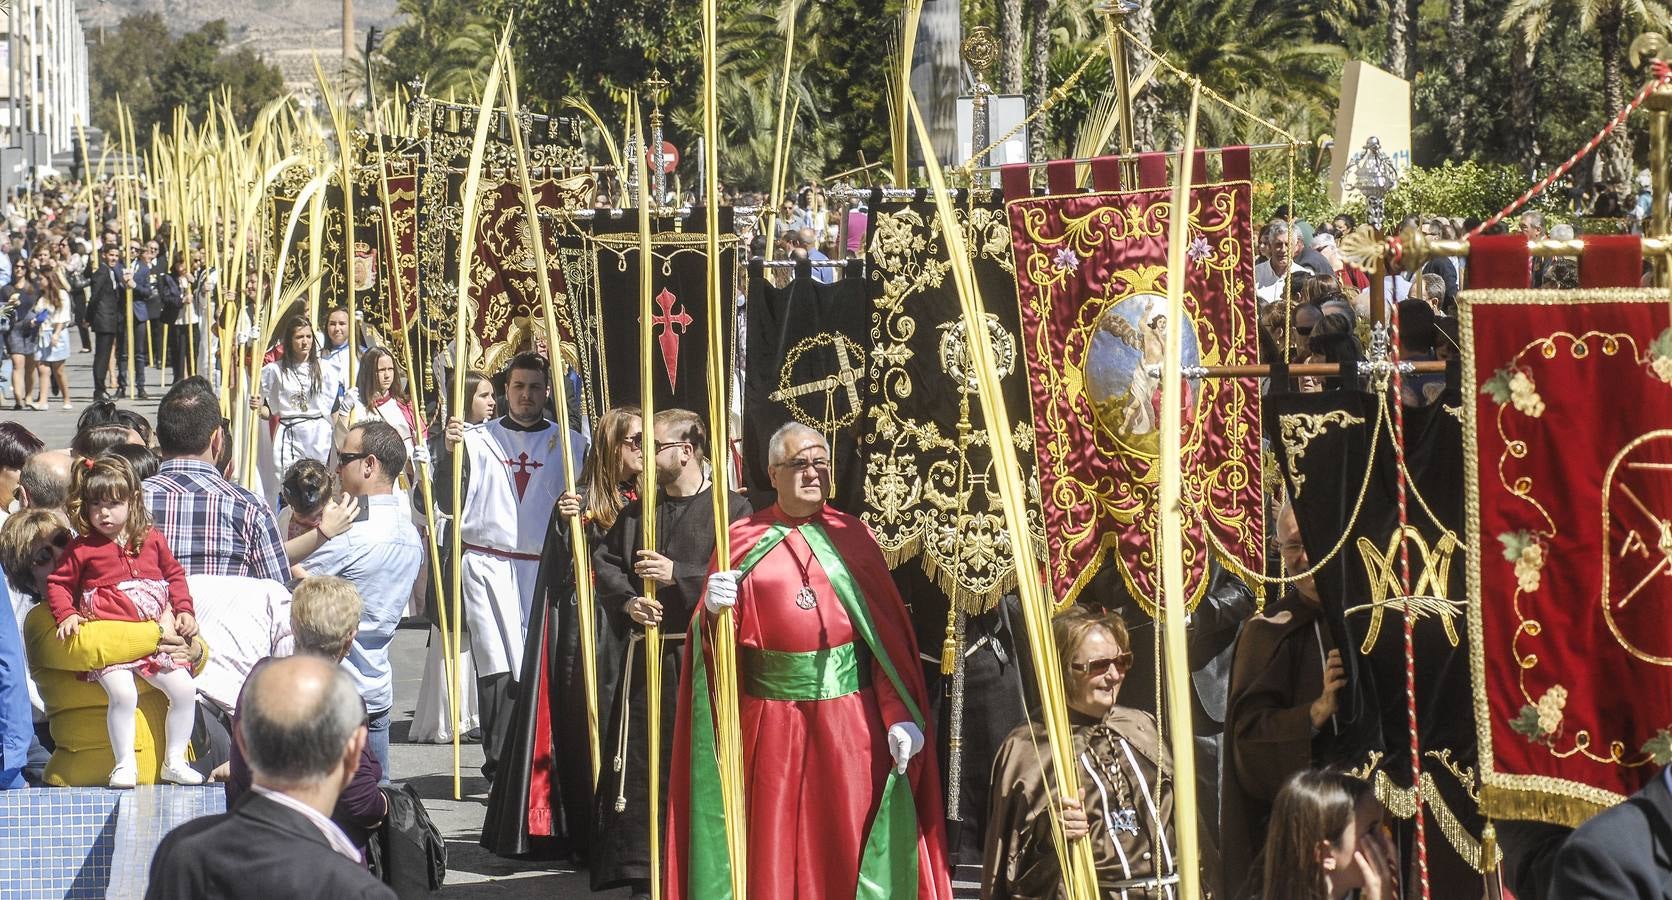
[1662, 75]
[1405, 591]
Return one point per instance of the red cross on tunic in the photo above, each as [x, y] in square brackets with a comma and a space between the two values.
[668, 338]
[524, 471]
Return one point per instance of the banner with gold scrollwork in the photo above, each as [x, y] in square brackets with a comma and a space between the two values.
[1569, 509]
[929, 492]
[369, 271]
[1091, 280]
[507, 317]
[1335, 454]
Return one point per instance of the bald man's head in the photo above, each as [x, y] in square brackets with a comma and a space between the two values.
[45, 480]
[297, 718]
[807, 237]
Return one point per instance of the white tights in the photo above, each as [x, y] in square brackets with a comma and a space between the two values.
[176, 685]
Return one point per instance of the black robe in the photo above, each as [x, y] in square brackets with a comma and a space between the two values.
[544, 781]
[620, 851]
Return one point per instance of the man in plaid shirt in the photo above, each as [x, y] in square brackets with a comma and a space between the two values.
[213, 526]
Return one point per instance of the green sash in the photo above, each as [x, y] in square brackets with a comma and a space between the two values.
[813, 675]
[888, 867]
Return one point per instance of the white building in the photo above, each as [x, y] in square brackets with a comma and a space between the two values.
[43, 73]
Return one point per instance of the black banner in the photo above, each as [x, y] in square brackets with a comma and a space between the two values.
[807, 346]
[1325, 444]
[679, 317]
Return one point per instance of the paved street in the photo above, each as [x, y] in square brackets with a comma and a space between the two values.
[472, 872]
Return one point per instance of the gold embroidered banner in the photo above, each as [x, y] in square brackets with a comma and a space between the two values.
[507, 317]
[1569, 512]
[1090, 278]
[928, 492]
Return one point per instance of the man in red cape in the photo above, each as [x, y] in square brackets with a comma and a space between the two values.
[842, 800]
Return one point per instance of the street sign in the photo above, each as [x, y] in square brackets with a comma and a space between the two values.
[670, 158]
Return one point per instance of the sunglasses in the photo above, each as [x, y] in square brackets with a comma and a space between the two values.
[663, 445]
[1104, 666]
[47, 554]
[633, 440]
[345, 457]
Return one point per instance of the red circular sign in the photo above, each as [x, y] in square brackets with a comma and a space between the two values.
[670, 158]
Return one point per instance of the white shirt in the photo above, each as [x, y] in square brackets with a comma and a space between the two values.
[380, 556]
[243, 620]
[333, 835]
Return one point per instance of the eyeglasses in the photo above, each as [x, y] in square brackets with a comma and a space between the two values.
[633, 440]
[1104, 666]
[801, 465]
[663, 445]
[344, 457]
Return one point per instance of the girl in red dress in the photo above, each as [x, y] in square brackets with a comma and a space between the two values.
[120, 568]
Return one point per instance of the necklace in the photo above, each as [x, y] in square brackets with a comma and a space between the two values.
[804, 598]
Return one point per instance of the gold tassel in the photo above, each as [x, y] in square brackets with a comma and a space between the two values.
[949, 647]
[1488, 848]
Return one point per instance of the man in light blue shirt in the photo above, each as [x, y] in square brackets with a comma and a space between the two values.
[380, 555]
[17, 725]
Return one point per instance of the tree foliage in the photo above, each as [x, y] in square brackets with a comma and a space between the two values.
[1278, 60]
[154, 72]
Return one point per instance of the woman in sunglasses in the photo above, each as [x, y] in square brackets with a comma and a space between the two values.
[1125, 807]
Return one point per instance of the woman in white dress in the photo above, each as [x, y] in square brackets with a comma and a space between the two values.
[298, 393]
[52, 340]
[432, 720]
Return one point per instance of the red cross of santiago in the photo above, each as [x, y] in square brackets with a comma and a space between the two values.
[667, 338]
[524, 470]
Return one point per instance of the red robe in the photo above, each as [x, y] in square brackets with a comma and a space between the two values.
[814, 771]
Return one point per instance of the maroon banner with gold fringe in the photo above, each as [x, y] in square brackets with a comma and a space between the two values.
[1091, 280]
[1569, 510]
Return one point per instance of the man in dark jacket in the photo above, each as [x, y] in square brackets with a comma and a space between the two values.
[142, 280]
[302, 727]
[106, 311]
[1623, 852]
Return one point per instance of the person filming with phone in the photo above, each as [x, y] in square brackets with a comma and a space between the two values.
[380, 555]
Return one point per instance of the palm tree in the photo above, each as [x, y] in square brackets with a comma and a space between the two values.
[1010, 47]
[1609, 19]
[1250, 50]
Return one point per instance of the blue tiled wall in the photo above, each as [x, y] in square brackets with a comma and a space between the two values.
[90, 842]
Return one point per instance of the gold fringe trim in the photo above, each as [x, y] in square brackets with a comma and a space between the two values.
[972, 602]
[1561, 297]
[1402, 802]
[1541, 806]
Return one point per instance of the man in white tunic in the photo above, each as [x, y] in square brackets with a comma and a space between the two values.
[513, 475]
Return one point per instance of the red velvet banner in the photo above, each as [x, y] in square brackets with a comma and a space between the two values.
[503, 278]
[1091, 280]
[1569, 493]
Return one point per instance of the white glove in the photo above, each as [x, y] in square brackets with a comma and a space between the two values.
[722, 591]
[904, 742]
[420, 455]
[351, 398]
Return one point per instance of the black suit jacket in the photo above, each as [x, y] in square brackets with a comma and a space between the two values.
[258, 849]
[107, 300]
[1623, 853]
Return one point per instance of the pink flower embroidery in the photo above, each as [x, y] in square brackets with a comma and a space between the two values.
[1066, 260]
[1199, 250]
